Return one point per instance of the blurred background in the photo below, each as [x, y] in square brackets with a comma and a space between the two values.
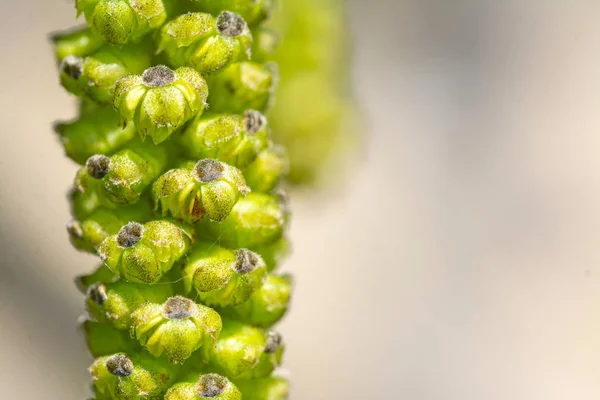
[460, 260]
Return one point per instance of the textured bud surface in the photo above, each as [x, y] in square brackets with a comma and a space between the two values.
[176, 328]
[222, 277]
[206, 43]
[210, 188]
[206, 386]
[144, 254]
[234, 139]
[255, 220]
[160, 100]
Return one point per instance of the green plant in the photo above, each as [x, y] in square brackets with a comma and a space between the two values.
[179, 194]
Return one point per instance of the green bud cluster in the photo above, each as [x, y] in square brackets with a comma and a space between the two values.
[179, 193]
[315, 115]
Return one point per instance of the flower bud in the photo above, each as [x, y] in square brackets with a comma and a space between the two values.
[242, 86]
[269, 168]
[253, 11]
[96, 75]
[267, 305]
[265, 42]
[160, 100]
[271, 388]
[98, 132]
[240, 348]
[234, 139]
[144, 253]
[121, 21]
[177, 328]
[256, 220]
[122, 178]
[88, 233]
[101, 274]
[139, 376]
[205, 43]
[209, 188]
[270, 359]
[115, 302]
[78, 42]
[103, 339]
[222, 277]
[207, 386]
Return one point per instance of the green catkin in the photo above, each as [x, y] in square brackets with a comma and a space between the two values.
[179, 195]
[314, 116]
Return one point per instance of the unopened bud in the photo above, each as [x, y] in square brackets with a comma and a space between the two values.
[256, 220]
[267, 170]
[243, 86]
[113, 303]
[166, 328]
[160, 100]
[205, 43]
[208, 386]
[208, 188]
[122, 178]
[239, 349]
[121, 21]
[234, 139]
[145, 255]
[222, 277]
[88, 233]
[96, 75]
[268, 304]
[121, 376]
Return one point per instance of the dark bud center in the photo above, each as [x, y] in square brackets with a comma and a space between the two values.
[253, 121]
[74, 229]
[208, 170]
[230, 24]
[98, 166]
[178, 308]
[245, 261]
[130, 234]
[160, 75]
[211, 385]
[72, 66]
[284, 201]
[273, 342]
[97, 293]
[119, 365]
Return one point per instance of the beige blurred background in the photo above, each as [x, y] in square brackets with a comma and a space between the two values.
[461, 260]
